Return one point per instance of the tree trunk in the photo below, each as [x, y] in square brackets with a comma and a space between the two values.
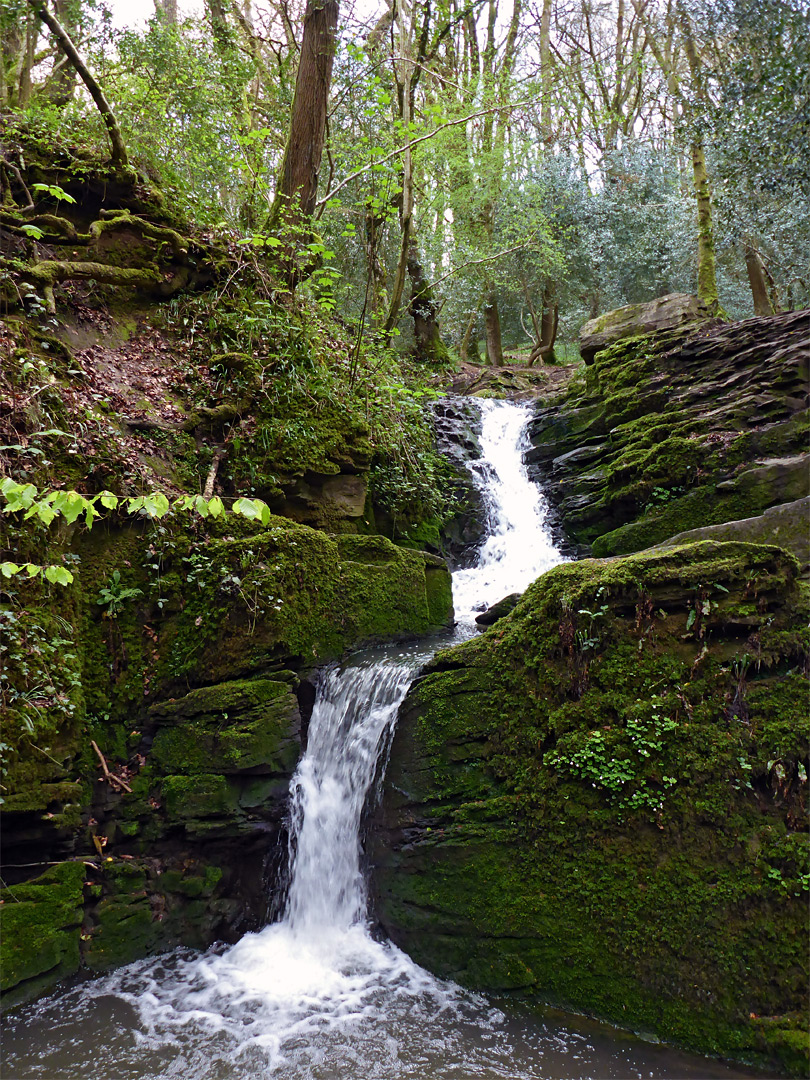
[62, 82]
[374, 225]
[424, 310]
[758, 282]
[464, 347]
[492, 323]
[119, 150]
[404, 75]
[297, 191]
[166, 11]
[549, 320]
[706, 273]
[546, 126]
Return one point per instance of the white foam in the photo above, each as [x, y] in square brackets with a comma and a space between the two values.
[520, 546]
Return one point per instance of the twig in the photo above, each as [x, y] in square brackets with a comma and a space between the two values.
[208, 490]
[110, 776]
[422, 138]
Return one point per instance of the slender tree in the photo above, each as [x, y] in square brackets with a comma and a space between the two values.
[119, 151]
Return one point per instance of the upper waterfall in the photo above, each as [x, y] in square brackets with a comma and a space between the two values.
[519, 546]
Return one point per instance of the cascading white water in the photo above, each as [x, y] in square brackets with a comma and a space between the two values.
[315, 995]
[353, 710]
[519, 547]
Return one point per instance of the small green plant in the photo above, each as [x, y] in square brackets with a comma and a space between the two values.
[589, 639]
[54, 191]
[115, 595]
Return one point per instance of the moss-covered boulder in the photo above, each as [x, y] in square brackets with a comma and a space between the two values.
[676, 430]
[600, 802]
[39, 931]
[664, 313]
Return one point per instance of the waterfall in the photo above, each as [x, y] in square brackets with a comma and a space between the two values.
[315, 996]
[519, 547]
[354, 708]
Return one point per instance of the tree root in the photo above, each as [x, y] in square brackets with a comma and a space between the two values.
[112, 220]
[47, 274]
[16, 222]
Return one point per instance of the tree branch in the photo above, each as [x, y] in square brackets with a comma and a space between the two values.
[119, 150]
[423, 138]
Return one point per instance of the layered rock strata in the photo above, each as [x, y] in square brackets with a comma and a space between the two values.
[600, 802]
[678, 430]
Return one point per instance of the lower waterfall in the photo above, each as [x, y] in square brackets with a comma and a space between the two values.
[315, 995]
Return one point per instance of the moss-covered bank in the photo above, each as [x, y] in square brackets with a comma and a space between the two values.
[600, 802]
[182, 651]
[677, 430]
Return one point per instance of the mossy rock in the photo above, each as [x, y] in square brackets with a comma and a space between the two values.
[290, 594]
[40, 931]
[230, 727]
[599, 802]
[678, 429]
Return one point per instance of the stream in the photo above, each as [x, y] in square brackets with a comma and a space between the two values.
[316, 994]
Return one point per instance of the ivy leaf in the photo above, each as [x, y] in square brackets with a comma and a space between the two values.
[9, 569]
[215, 507]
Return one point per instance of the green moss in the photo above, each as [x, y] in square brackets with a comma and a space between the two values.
[697, 508]
[671, 439]
[228, 727]
[40, 931]
[289, 593]
[602, 794]
[202, 796]
[124, 930]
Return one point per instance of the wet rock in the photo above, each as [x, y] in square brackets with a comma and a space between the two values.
[498, 611]
[457, 422]
[601, 802]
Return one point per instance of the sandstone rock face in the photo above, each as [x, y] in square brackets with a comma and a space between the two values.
[600, 801]
[665, 313]
[199, 704]
[787, 525]
[679, 430]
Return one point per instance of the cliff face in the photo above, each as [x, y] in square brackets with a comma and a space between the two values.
[193, 686]
[679, 430]
[598, 801]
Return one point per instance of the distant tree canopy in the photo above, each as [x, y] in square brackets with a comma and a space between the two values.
[482, 175]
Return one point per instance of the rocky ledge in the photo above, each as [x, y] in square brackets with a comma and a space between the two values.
[678, 429]
[600, 801]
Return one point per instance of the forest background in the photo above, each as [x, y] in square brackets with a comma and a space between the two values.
[522, 166]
